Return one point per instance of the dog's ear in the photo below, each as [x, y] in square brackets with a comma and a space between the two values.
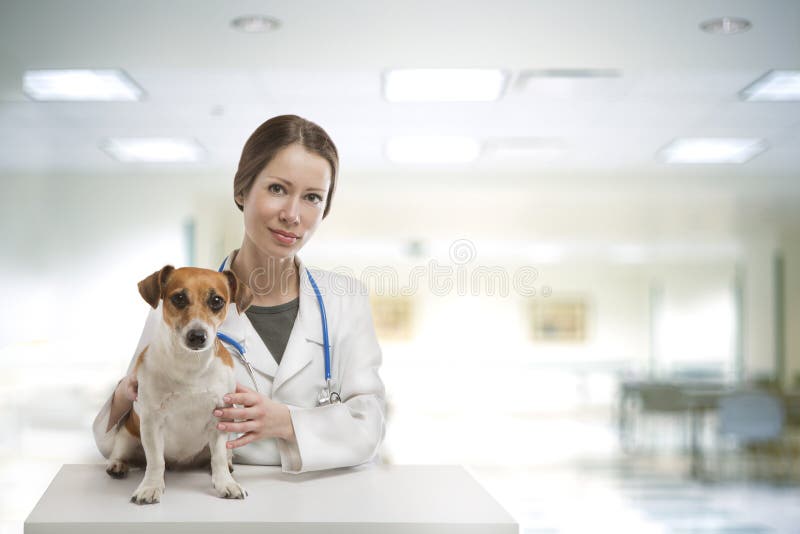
[240, 293]
[151, 288]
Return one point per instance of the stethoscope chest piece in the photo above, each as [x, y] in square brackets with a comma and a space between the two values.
[328, 396]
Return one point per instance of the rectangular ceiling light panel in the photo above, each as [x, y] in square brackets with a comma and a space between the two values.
[444, 85]
[774, 86]
[80, 86]
[712, 150]
[153, 149]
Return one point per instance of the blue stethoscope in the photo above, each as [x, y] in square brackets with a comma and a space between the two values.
[326, 395]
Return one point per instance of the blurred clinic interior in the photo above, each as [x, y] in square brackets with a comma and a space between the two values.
[579, 222]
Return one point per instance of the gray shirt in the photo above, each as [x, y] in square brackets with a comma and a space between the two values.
[274, 324]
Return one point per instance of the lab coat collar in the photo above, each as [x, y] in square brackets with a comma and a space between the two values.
[305, 339]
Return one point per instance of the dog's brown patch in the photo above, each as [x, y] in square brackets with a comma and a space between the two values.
[132, 423]
[140, 359]
[224, 355]
[240, 292]
[132, 420]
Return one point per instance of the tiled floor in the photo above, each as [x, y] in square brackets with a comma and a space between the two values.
[640, 496]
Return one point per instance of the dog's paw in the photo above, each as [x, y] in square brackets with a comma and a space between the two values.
[117, 469]
[147, 494]
[230, 490]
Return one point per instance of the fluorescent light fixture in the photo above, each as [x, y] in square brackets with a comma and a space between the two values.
[569, 73]
[774, 86]
[571, 84]
[153, 149]
[80, 86]
[712, 150]
[444, 85]
[432, 149]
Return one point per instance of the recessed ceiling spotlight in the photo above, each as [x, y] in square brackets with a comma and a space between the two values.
[255, 23]
[726, 25]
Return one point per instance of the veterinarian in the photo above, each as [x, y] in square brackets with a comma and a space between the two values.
[288, 414]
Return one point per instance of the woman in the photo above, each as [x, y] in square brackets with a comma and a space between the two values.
[284, 186]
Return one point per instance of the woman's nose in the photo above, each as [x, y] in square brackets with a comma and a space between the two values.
[290, 213]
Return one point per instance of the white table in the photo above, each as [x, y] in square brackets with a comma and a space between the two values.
[376, 499]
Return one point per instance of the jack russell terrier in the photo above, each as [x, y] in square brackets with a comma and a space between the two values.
[182, 374]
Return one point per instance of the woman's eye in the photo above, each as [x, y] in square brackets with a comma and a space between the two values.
[179, 300]
[275, 188]
[216, 303]
[315, 198]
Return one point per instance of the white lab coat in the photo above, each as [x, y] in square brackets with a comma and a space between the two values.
[331, 436]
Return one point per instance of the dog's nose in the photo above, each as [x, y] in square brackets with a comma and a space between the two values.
[196, 338]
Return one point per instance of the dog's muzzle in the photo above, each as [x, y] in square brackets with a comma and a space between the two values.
[196, 338]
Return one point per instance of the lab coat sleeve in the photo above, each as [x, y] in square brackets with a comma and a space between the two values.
[105, 438]
[350, 433]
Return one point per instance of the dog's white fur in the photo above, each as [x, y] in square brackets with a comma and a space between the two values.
[179, 388]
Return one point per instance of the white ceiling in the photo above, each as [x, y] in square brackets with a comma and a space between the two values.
[326, 62]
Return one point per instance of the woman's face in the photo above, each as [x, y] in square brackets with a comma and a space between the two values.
[285, 203]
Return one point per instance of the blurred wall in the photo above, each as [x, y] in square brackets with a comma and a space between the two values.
[73, 245]
[617, 245]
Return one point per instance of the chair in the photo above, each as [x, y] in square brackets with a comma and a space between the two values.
[754, 420]
[792, 403]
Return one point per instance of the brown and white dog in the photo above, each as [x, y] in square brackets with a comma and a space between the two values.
[183, 374]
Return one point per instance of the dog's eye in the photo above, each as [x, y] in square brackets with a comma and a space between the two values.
[216, 302]
[179, 300]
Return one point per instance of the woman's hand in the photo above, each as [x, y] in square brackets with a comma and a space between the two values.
[130, 387]
[261, 417]
[121, 402]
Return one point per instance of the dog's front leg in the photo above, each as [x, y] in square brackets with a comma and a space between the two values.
[221, 476]
[152, 486]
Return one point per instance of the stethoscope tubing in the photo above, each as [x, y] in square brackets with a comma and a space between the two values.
[325, 345]
[326, 348]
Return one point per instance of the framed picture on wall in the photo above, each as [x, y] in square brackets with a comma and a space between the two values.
[559, 321]
[393, 317]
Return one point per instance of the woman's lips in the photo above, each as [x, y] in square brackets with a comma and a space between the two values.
[284, 237]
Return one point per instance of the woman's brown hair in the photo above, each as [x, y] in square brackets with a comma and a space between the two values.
[274, 135]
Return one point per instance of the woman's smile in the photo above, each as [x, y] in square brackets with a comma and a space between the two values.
[287, 238]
